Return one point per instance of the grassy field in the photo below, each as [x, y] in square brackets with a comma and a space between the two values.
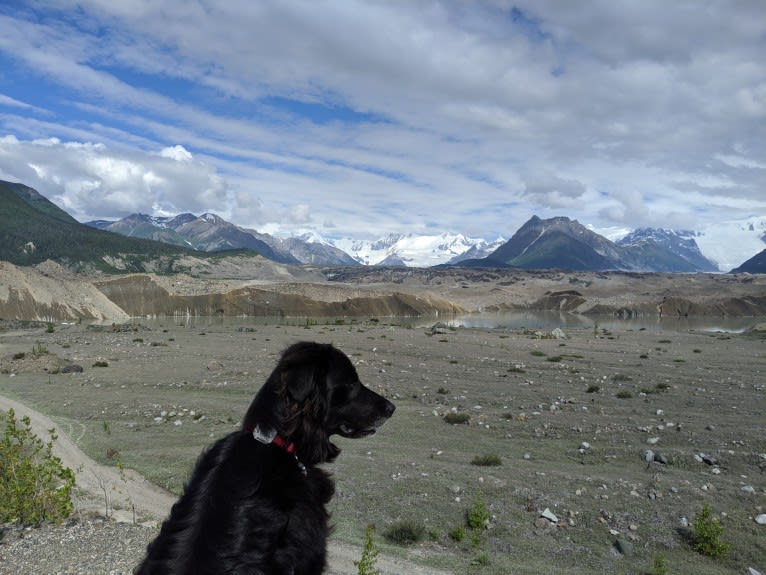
[557, 424]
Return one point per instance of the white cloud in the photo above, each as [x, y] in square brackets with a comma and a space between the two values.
[392, 116]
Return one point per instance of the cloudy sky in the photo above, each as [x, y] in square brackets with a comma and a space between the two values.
[359, 119]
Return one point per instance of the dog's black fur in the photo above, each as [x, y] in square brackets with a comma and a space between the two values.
[252, 507]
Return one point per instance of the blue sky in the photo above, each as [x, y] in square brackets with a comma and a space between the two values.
[359, 119]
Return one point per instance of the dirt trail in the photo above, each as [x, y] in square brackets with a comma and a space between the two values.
[127, 496]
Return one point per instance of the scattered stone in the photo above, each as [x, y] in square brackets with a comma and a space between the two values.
[648, 455]
[653, 440]
[751, 571]
[761, 519]
[624, 546]
[72, 368]
[584, 446]
[214, 365]
[749, 489]
[439, 328]
[709, 459]
[558, 333]
[549, 515]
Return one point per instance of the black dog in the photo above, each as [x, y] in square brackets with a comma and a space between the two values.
[255, 502]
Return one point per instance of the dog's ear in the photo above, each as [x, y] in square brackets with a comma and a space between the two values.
[299, 382]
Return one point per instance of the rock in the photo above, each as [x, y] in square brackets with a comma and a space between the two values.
[584, 446]
[709, 459]
[72, 368]
[749, 489]
[653, 440]
[549, 515]
[438, 328]
[761, 519]
[648, 455]
[558, 333]
[214, 365]
[751, 571]
[624, 546]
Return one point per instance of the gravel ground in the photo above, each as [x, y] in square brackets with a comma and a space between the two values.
[88, 547]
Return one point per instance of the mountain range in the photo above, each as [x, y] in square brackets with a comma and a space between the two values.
[540, 243]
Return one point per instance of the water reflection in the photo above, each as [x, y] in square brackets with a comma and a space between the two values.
[538, 320]
[549, 320]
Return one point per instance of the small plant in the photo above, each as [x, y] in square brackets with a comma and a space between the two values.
[706, 534]
[592, 389]
[405, 532]
[20, 355]
[34, 484]
[516, 369]
[457, 418]
[660, 565]
[50, 328]
[662, 387]
[554, 358]
[488, 460]
[366, 564]
[39, 349]
[479, 515]
[618, 377]
[101, 363]
[443, 391]
[457, 534]
[624, 394]
[538, 353]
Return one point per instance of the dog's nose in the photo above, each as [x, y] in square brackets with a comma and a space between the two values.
[390, 408]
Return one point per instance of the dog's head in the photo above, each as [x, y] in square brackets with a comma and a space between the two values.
[314, 392]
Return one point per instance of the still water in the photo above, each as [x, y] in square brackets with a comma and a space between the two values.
[550, 320]
[516, 320]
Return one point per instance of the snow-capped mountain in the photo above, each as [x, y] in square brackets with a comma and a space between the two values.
[729, 244]
[416, 250]
[657, 245]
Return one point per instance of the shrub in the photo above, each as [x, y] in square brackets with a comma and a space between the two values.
[592, 389]
[488, 460]
[366, 564]
[706, 534]
[34, 484]
[479, 515]
[538, 353]
[624, 394]
[457, 534]
[457, 418]
[20, 355]
[554, 358]
[101, 363]
[405, 532]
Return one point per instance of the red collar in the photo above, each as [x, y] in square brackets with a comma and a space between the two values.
[280, 441]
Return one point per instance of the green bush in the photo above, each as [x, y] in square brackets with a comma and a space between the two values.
[488, 460]
[405, 532]
[706, 534]
[479, 515]
[34, 484]
[457, 418]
